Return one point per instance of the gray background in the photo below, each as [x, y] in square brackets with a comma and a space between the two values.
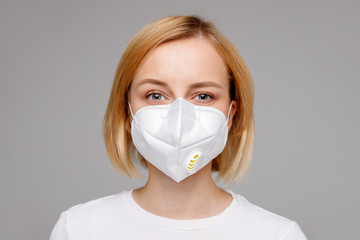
[58, 59]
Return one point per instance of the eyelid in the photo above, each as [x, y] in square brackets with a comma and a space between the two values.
[154, 92]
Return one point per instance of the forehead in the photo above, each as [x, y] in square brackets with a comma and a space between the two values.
[187, 59]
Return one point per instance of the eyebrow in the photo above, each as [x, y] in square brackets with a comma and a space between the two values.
[194, 85]
[205, 84]
[152, 81]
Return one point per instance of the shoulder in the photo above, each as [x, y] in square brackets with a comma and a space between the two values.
[84, 220]
[254, 212]
[99, 207]
[257, 219]
[96, 212]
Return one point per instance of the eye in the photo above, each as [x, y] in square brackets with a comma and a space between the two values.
[203, 97]
[155, 96]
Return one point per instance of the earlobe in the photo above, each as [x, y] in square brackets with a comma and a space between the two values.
[232, 113]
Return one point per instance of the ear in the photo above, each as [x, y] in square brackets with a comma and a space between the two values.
[232, 113]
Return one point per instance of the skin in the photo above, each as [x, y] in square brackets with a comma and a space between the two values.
[191, 69]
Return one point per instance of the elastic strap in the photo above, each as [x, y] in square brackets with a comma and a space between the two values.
[131, 110]
[229, 111]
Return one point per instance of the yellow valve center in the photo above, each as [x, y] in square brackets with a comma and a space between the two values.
[193, 160]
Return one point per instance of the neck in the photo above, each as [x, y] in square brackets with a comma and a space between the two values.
[195, 197]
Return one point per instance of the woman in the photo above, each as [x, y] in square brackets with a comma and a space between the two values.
[182, 105]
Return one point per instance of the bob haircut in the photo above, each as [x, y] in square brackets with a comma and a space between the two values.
[234, 161]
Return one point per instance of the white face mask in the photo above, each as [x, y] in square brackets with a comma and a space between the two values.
[180, 138]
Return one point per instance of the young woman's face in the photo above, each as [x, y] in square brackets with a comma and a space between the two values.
[190, 68]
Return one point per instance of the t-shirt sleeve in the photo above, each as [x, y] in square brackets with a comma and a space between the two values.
[295, 233]
[59, 230]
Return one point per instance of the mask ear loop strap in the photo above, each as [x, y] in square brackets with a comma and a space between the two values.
[131, 112]
[228, 115]
[227, 119]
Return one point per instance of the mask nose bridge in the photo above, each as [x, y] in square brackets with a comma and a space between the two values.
[178, 112]
[179, 105]
[174, 114]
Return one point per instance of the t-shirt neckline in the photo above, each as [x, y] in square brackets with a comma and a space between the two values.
[193, 224]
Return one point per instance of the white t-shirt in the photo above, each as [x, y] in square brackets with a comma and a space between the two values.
[120, 217]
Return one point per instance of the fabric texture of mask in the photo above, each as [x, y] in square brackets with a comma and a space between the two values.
[180, 138]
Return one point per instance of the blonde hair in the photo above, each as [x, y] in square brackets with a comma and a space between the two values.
[235, 160]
